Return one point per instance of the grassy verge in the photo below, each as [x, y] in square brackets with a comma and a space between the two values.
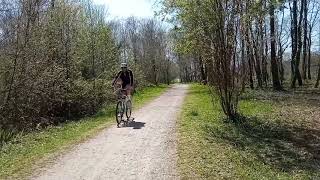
[277, 140]
[18, 157]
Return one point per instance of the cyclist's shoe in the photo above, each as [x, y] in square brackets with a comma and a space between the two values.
[130, 119]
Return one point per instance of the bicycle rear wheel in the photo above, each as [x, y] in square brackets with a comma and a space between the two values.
[119, 112]
[128, 109]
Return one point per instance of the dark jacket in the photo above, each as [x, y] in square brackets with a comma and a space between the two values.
[126, 77]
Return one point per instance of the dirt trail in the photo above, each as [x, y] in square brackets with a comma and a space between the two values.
[146, 149]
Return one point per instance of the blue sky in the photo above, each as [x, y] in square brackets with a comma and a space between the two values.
[127, 8]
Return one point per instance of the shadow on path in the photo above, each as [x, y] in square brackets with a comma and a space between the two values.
[135, 125]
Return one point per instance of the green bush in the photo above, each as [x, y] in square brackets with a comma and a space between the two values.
[6, 136]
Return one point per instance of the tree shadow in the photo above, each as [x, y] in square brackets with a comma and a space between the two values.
[304, 97]
[287, 148]
[135, 125]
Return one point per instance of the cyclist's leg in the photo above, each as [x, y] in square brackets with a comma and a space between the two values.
[129, 95]
[129, 90]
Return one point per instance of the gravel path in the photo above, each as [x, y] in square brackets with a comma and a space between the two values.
[146, 149]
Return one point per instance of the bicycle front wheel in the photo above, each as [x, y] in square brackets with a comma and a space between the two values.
[119, 112]
[128, 108]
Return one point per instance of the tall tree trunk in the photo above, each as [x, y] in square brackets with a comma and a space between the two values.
[250, 56]
[281, 51]
[309, 53]
[154, 75]
[249, 47]
[265, 72]
[168, 72]
[305, 38]
[281, 69]
[261, 47]
[256, 48]
[274, 64]
[294, 29]
[201, 64]
[250, 61]
[318, 79]
[297, 75]
[265, 75]
[209, 70]
[243, 64]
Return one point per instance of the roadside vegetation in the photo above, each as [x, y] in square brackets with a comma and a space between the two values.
[231, 45]
[58, 59]
[57, 62]
[277, 136]
[258, 116]
[26, 151]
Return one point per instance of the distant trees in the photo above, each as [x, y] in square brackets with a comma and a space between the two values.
[58, 57]
[145, 43]
[208, 33]
[302, 27]
[239, 43]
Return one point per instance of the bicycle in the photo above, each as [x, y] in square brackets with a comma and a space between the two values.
[124, 107]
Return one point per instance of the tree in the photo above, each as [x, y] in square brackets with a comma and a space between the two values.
[58, 56]
[318, 77]
[144, 43]
[283, 43]
[214, 27]
[296, 42]
[313, 18]
[305, 39]
[274, 63]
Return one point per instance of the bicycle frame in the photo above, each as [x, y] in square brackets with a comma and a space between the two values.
[123, 100]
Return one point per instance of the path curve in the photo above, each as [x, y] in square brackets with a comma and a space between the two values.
[144, 150]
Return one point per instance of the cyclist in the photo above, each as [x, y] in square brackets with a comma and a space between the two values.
[125, 78]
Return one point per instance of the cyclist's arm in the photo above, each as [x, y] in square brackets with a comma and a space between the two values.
[116, 78]
[131, 78]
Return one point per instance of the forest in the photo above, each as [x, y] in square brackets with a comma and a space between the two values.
[58, 59]
[233, 45]
[222, 89]
[260, 61]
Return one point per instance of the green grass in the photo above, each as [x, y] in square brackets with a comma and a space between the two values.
[19, 157]
[264, 146]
